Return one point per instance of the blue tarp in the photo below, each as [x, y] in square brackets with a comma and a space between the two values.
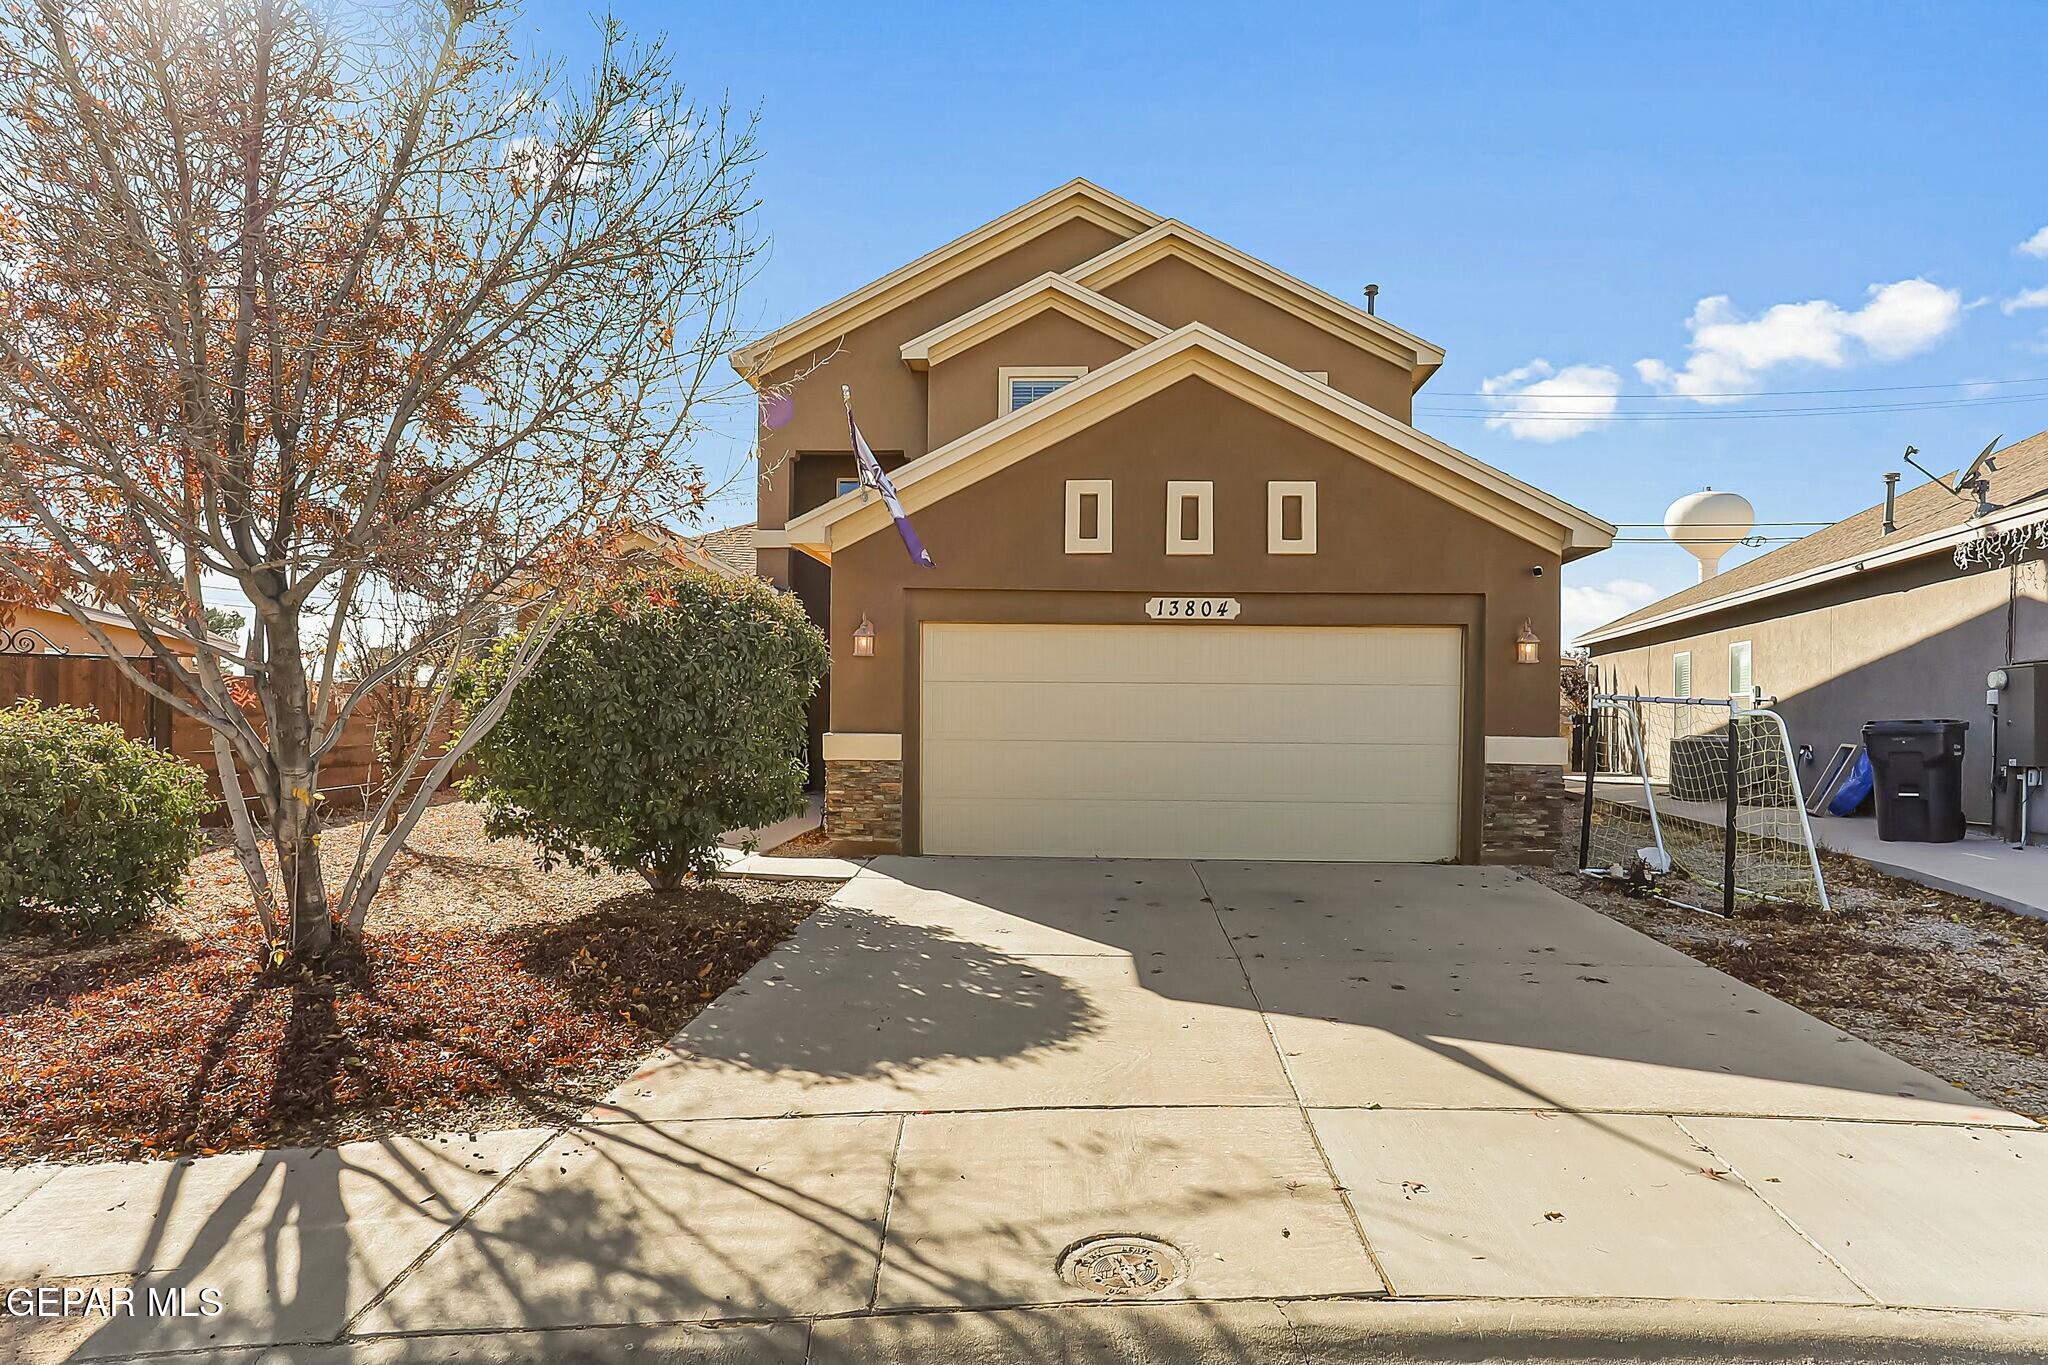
[1850, 796]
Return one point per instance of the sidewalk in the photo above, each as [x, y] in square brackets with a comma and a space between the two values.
[1977, 866]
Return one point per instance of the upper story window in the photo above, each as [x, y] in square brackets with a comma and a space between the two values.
[1320, 376]
[1681, 673]
[844, 486]
[1018, 385]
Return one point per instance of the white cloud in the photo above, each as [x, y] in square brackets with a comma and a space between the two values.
[2026, 298]
[1575, 398]
[1587, 607]
[2035, 246]
[1731, 354]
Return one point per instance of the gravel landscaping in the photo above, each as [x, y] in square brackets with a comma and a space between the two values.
[1952, 985]
[490, 994]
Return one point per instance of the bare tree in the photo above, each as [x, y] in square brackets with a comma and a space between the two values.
[355, 308]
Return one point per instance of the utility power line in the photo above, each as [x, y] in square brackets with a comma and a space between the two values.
[1512, 413]
[1762, 393]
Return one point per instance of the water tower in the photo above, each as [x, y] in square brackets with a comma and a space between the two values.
[1709, 525]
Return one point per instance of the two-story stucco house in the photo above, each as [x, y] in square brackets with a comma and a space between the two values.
[1201, 590]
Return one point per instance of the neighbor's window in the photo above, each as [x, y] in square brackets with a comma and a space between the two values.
[1681, 673]
[1190, 517]
[1291, 517]
[1320, 376]
[844, 486]
[1088, 516]
[1020, 385]
[1741, 682]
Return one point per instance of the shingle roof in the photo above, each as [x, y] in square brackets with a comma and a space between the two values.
[2021, 476]
[733, 547]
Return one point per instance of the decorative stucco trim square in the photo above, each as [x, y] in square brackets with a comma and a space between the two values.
[1077, 491]
[863, 747]
[1203, 492]
[1278, 491]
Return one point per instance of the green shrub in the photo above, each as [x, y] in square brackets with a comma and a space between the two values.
[94, 827]
[668, 709]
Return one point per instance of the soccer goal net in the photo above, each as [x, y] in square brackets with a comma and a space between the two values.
[1699, 794]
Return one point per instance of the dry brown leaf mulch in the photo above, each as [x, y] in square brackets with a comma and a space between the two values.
[157, 1044]
[1956, 987]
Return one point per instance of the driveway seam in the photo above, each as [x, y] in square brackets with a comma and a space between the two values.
[1782, 1216]
[2017, 1124]
[888, 1207]
[1300, 1107]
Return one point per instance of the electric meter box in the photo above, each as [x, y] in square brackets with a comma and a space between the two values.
[2023, 716]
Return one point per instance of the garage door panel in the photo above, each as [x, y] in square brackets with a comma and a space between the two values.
[1305, 831]
[1182, 652]
[1300, 743]
[1367, 713]
[1186, 771]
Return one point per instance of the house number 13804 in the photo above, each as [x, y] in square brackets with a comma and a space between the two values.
[1192, 608]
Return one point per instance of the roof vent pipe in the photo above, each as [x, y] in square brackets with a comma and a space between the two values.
[1372, 293]
[1891, 502]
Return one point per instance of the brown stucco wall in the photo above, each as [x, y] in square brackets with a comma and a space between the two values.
[888, 394]
[1174, 293]
[1392, 554]
[1909, 641]
[963, 387]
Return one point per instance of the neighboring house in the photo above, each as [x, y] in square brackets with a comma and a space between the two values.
[1864, 620]
[1201, 590]
[729, 551]
[39, 630]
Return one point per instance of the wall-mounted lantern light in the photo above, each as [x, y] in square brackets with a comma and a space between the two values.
[864, 638]
[1528, 645]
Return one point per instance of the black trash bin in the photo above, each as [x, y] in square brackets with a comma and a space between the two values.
[1919, 769]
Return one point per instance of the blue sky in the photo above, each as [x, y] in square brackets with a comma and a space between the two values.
[1561, 185]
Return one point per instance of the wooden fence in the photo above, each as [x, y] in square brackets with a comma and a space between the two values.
[348, 776]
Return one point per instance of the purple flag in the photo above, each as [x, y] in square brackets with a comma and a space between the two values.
[871, 476]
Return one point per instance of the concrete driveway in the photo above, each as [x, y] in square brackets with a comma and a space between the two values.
[1361, 1112]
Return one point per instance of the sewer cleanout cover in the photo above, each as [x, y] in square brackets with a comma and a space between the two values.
[1123, 1266]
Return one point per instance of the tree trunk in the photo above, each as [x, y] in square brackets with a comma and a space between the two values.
[294, 816]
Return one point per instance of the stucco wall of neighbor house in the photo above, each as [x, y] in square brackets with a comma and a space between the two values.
[68, 636]
[1392, 554]
[1173, 293]
[888, 394]
[964, 387]
[1906, 642]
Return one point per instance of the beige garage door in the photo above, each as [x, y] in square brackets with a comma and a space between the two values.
[1191, 741]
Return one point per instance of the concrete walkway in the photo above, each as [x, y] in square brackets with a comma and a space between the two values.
[1977, 865]
[1371, 1112]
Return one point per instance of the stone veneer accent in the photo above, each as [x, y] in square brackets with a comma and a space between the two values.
[1524, 813]
[864, 800]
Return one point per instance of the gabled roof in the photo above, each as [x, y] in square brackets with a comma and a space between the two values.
[1177, 240]
[1048, 292]
[1077, 199]
[1930, 520]
[1196, 350]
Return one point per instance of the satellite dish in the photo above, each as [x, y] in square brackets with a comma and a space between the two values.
[1708, 525]
[1976, 479]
